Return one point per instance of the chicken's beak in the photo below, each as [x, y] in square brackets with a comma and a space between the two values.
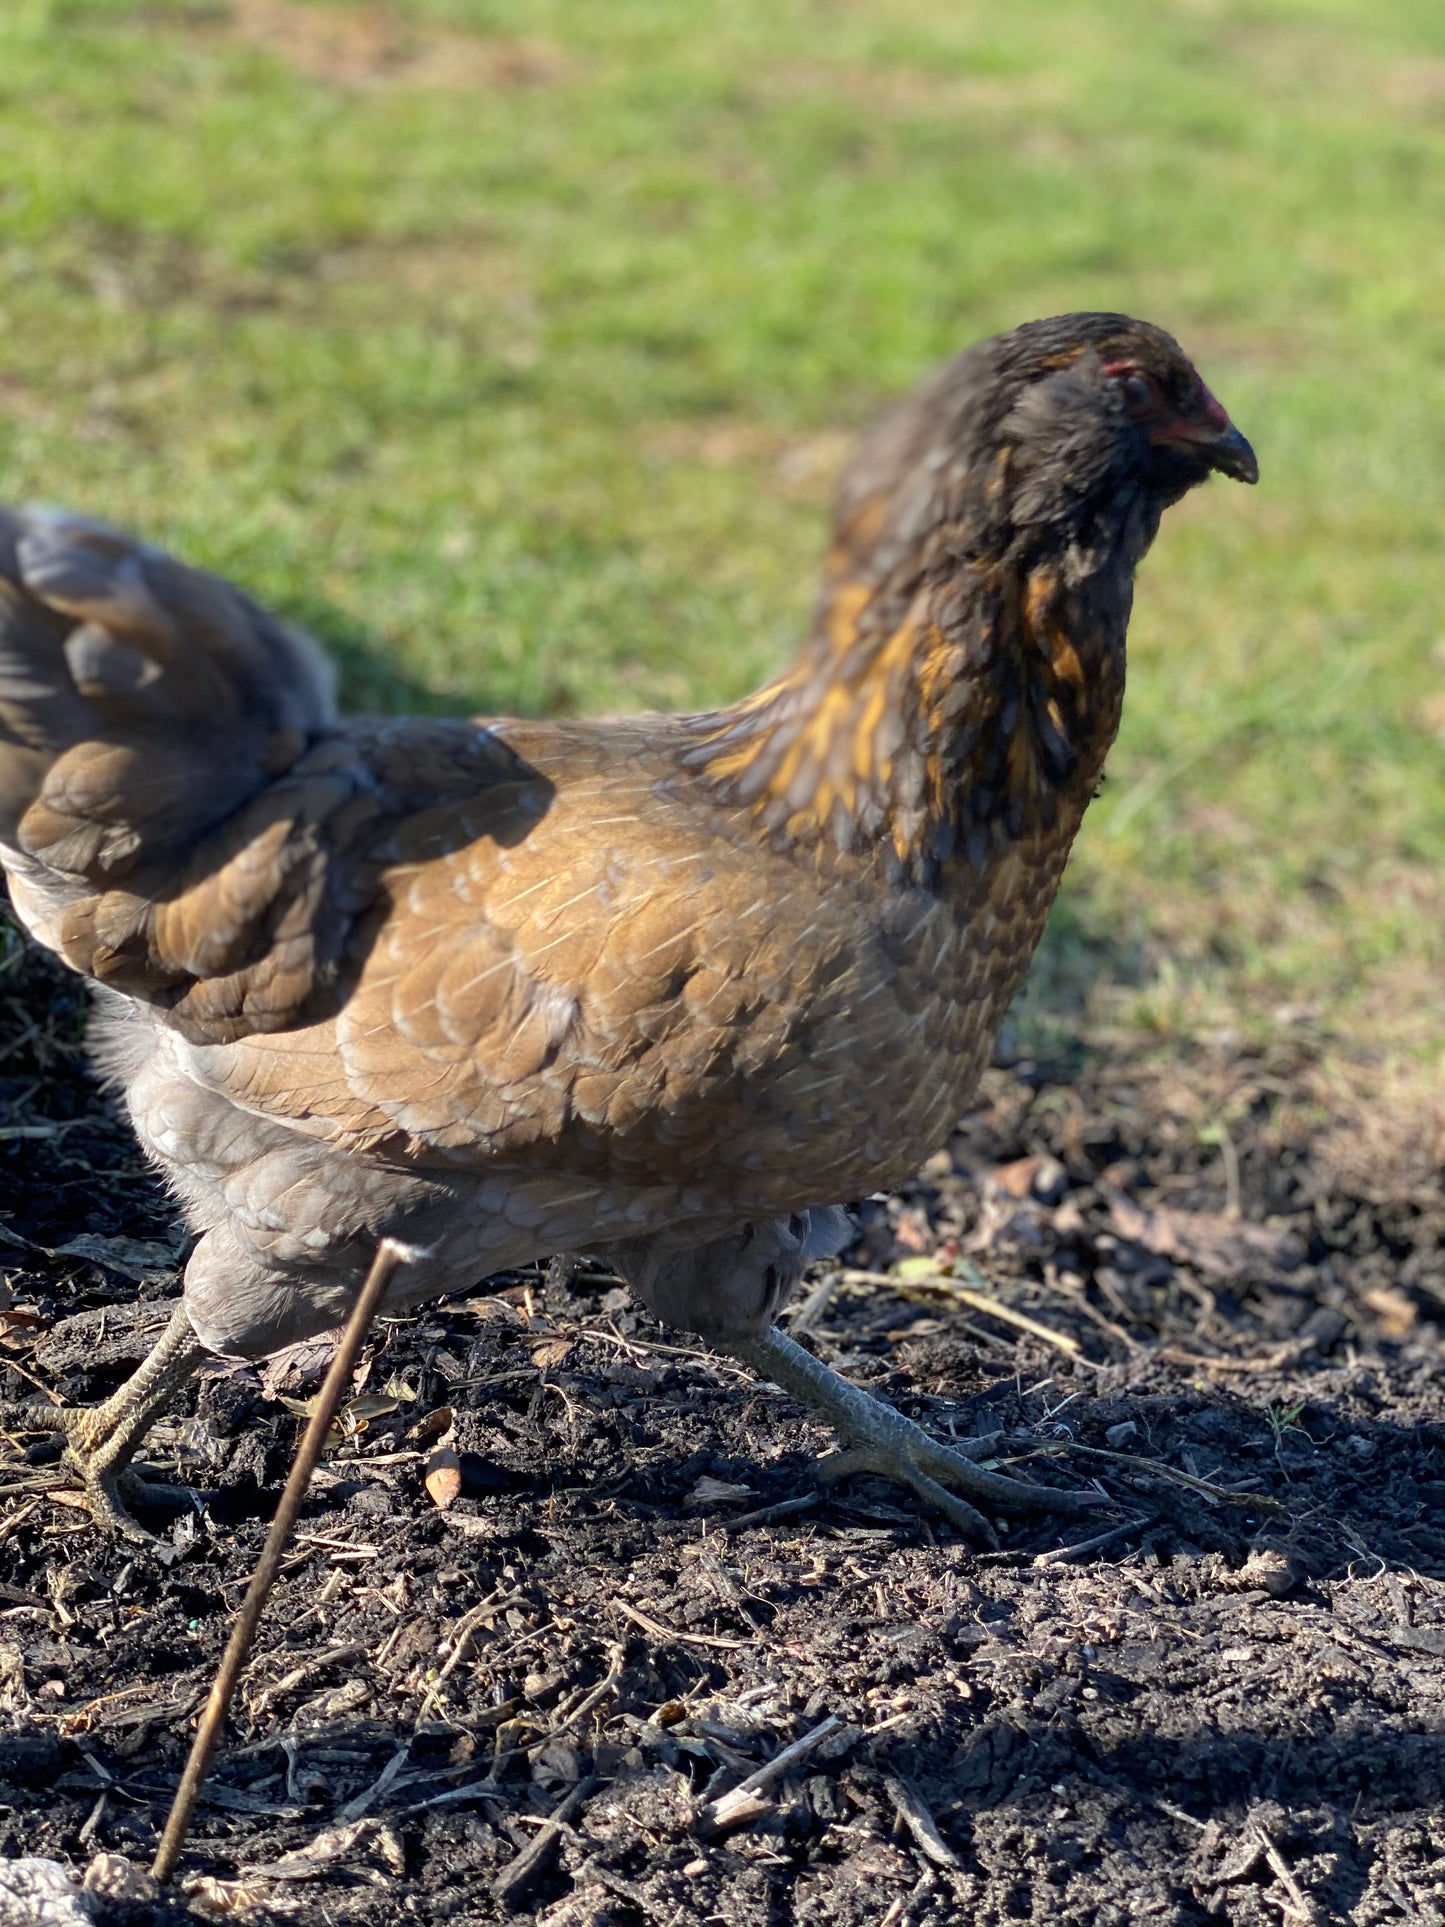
[1208, 433]
[1231, 454]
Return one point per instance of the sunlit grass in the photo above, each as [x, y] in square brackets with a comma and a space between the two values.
[513, 346]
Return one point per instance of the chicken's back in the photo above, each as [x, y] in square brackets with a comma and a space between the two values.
[632, 989]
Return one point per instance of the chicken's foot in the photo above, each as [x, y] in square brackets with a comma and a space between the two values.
[880, 1440]
[100, 1440]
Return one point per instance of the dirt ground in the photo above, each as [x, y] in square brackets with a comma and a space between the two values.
[1200, 1283]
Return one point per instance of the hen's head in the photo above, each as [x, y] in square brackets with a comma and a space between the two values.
[1073, 434]
[1088, 399]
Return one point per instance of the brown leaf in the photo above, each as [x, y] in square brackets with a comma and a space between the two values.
[1015, 1180]
[297, 1365]
[18, 1326]
[551, 1351]
[1219, 1247]
[428, 1430]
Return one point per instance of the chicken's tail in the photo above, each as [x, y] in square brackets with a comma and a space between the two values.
[149, 717]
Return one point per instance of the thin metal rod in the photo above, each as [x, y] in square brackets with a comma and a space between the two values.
[389, 1255]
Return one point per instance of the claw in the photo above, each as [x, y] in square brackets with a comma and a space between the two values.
[111, 1485]
[101, 1440]
[861, 1458]
[883, 1441]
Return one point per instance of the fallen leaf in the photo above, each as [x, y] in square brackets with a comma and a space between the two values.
[431, 1428]
[335, 1843]
[294, 1365]
[551, 1351]
[909, 1270]
[213, 1899]
[353, 1417]
[1015, 1180]
[18, 1325]
[709, 1491]
[133, 1258]
[370, 1405]
[1218, 1246]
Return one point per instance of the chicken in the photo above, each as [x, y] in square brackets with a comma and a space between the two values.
[668, 989]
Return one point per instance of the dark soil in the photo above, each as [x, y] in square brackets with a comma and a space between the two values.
[1229, 1707]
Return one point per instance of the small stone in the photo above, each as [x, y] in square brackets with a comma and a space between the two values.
[41, 1893]
[443, 1477]
[113, 1878]
[373, 1502]
[32, 1759]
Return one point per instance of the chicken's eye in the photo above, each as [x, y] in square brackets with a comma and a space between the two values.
[1140, 390]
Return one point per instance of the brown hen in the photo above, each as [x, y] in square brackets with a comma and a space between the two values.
[665, 988]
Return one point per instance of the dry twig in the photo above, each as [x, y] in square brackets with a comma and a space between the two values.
[659, 1631]
[1298, 1904]
[920, 1823]
[389, 1255]
[940, 1285]
[1221, 1494]
[515, 1878]
[743, 1802]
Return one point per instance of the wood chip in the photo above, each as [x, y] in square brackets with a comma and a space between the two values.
[741, 1805]
[513, 1881]
[552, 1351]
[920, 1823]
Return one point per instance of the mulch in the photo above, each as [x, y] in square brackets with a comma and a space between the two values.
[571, 1629]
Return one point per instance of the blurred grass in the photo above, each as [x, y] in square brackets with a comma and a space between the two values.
[513, 347]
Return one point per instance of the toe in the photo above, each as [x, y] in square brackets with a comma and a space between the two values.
[904, 1470]
[970, 1522]
[951, 1468]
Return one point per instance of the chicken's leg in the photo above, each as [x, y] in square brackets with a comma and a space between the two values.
[883, 1441]
[101, 1439]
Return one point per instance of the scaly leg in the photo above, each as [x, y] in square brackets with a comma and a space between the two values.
[885, 1442]
[101, 1439]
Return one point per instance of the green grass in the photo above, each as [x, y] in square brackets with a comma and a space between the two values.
[513, 347]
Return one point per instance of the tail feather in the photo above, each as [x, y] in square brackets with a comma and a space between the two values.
[151, 719]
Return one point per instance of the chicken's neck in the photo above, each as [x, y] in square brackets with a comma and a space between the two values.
[977, 712]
